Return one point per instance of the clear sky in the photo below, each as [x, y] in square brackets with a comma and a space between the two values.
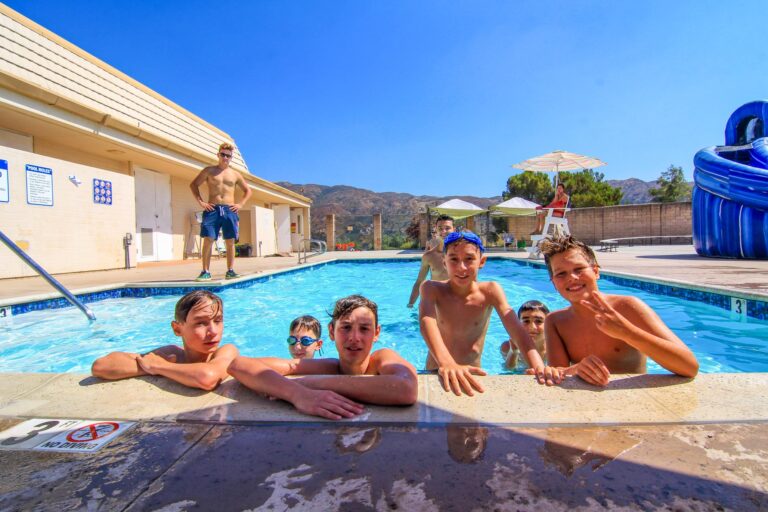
[437, 97]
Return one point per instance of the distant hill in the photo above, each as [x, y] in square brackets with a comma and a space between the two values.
[635, 191]
[355, 206]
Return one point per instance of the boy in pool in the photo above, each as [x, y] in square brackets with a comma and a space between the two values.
[334, 388]
[454, 317]
[304, 339]
[200, 363]
[532, 315]
[601, 334]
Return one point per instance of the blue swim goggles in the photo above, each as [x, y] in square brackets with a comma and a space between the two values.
[304, 340]
[465, 235]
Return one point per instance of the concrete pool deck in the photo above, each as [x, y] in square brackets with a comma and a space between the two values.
[645, 442]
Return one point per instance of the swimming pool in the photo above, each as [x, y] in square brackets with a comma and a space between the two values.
[257, 318]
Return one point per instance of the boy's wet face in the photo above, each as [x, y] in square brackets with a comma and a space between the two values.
[354, 335]
[463, 261]
[574, 277]
[299, 351]
[533, 321]
[202, 330]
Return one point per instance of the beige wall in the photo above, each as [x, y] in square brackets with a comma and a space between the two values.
[75, 234]
[594, 224]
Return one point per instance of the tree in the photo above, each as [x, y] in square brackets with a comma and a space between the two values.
[533, 186]
[672, 186]
[413, 231]
[587, 188]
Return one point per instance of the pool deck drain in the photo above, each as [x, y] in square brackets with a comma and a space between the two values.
[644, 443]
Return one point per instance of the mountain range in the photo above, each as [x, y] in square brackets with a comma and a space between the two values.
[353, 206]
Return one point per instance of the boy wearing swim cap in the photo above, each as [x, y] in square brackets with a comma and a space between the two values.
[600, 334]
[335, 388]
[200, 363]
[454, 317]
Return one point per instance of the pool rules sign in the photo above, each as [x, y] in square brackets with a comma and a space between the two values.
[57, 435]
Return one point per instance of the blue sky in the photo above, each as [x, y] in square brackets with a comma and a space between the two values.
[437, 97]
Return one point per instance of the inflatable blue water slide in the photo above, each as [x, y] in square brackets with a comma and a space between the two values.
[730, 193]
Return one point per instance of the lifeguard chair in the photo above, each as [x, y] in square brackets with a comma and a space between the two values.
[559, 226]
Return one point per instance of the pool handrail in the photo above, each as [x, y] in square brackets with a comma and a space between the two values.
[305, 246]
[48, 277]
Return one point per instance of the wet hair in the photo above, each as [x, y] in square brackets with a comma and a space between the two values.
[306, 322]
[551, 246]
[227, 145]
[533, 305]
[345, 306]
[443, 218]
[192, 299]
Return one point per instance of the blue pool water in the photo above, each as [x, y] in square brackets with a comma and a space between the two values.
[257, 318]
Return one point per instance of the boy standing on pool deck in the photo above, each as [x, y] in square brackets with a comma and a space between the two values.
[454, 317]
[200, 363]
[333, 388]
[221, 209]
[599, 334]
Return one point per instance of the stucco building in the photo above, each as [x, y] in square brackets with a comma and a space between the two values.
[88, 156]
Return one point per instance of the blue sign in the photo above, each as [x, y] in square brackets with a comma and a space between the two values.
[4, 190]
[102, 191]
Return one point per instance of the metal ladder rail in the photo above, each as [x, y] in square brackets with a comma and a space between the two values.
[305, 246]
[48, 277]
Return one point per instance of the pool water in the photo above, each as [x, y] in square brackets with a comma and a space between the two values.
[256, 320]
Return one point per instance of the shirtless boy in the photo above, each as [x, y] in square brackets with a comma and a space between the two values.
[335, 388]
[454, 317]
[601, 334]
[221, 209]
[432, 259]
[200, 363]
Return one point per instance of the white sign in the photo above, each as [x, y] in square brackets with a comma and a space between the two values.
[739, 307]
[58, 435]
[39, 185]
[4, 194]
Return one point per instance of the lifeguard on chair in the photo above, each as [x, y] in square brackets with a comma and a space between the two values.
[551, 215]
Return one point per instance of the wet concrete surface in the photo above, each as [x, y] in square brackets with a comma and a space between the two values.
[177, 466]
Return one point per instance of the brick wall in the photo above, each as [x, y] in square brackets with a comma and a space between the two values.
[594, 224]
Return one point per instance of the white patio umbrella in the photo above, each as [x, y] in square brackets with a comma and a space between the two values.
[458, 209]
[515, 206]
[557, 161]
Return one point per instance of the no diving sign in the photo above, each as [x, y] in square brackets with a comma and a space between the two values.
[59, 435]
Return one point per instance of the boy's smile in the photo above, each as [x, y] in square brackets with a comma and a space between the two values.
[463, 261]
[573, 276]
[202, 330]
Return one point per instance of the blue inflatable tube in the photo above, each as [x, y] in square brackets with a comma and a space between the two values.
[730, 194]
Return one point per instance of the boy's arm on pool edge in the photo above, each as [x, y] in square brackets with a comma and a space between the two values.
[639, 326]
[260, 375]
[591, 369]
[395, 384]
[544, 374]
[454, 377]
[204, 375]
[123, 365]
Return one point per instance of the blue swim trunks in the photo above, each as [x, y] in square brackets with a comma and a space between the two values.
[220, 218]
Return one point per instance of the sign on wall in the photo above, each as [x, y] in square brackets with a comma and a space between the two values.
[39, 185]
[102, 191]
[4, 193]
